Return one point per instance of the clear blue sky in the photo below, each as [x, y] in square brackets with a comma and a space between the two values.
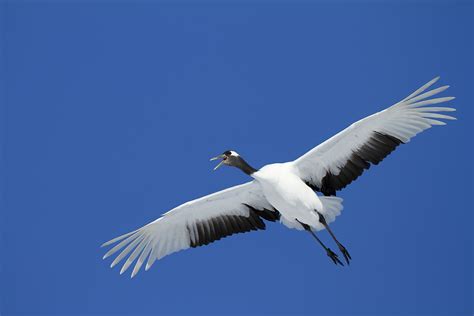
[110, 112]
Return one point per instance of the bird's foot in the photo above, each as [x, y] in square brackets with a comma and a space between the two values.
[346, 254]
[333, 257]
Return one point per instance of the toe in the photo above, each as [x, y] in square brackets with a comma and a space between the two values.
[346, 254]
[334, 257]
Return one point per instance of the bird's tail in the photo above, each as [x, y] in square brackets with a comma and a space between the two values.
[332, 207]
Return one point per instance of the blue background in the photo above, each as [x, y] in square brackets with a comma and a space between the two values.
[110, 111]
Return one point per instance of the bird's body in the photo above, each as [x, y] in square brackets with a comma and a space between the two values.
[286, 191]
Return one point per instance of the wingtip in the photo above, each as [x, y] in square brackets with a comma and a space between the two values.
[107, 243]
[443, 88]
[432, 81]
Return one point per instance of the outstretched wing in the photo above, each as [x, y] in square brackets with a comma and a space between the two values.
[337, 162]
[199, 222]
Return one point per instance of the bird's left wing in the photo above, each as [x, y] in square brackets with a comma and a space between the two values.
[338, 161]
[199, 222]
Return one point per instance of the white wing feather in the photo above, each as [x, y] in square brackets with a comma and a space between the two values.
[402, 120]
[174, 230]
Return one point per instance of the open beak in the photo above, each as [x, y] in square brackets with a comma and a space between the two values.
[220, 163]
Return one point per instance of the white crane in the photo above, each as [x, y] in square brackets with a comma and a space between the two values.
[285, 191]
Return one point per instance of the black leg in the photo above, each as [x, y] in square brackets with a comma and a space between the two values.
[343, 249]
[329, 252]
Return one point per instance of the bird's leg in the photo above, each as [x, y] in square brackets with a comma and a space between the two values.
[329, 252]
[343, 249]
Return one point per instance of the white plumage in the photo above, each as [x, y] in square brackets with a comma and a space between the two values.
[402, 120]
[285, 191]
[169, 233]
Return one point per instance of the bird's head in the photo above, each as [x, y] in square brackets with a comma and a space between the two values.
[229, 158]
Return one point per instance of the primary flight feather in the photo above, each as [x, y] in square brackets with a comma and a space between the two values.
[285, 191]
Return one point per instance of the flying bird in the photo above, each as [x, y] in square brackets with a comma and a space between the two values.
[285, 192]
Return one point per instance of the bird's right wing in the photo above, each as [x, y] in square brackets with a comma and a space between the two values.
[199, 222]
[341, 159]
